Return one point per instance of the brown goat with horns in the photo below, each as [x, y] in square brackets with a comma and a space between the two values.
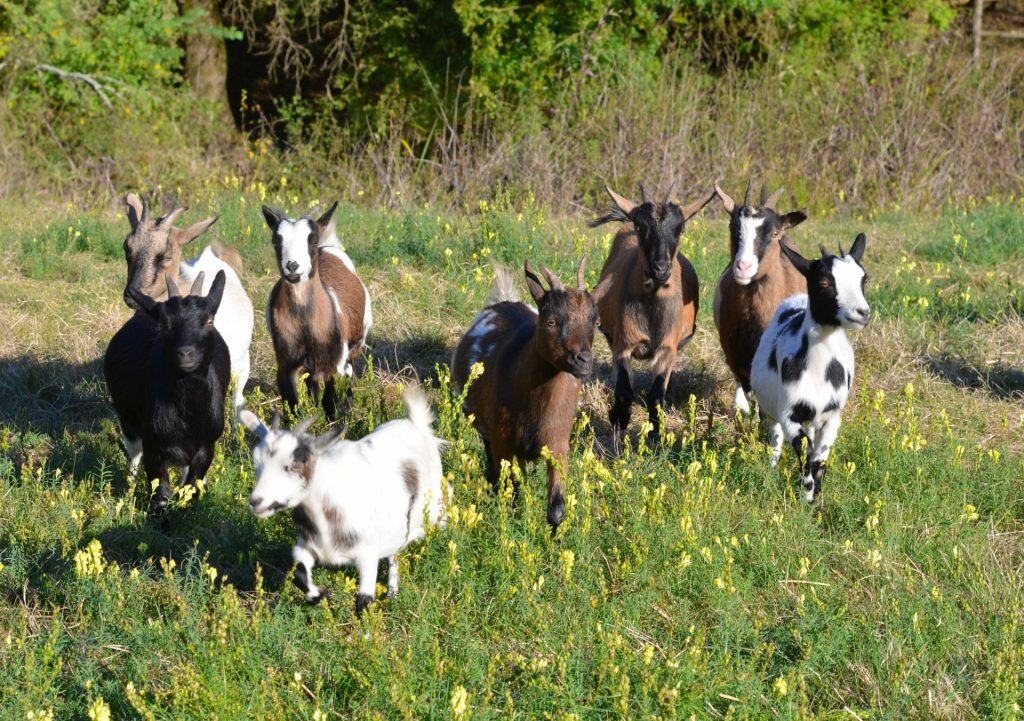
[650, 311]
[533, 359]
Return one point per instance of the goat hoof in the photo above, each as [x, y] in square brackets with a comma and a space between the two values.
[654, 439]
[362, 601]
[160, 504]
[556, 511]
[316, 598]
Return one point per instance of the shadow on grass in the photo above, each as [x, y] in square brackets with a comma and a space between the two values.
[1000, 381]
[51, 395]
[418, 354]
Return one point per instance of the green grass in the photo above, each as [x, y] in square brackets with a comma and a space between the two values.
[687, 582]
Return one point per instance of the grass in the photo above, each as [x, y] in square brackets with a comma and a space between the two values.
[690, 582]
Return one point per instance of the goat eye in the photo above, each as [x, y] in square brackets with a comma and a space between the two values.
[823, 283]
[209, 321]
[551, 322]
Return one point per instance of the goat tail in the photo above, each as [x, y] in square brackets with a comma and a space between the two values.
[417, 407]
[504, 286]
[230, 256]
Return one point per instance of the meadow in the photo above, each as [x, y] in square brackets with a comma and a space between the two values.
[687, 581]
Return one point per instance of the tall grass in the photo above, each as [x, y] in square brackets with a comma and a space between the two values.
[903, 129]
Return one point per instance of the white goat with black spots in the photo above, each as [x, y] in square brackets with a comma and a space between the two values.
[803, 369]
[355, 502]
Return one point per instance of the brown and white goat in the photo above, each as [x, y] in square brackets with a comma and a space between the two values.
[758, 278]
[319, 311]
[153, 251]
[650, 310]
[533, 359]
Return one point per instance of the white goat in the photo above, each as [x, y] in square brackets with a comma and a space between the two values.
[355, 502]
[803, 369]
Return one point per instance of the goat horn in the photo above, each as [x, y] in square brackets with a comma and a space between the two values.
[764, 195]
[580, 272]
[197, 284]
[746, 195]
[313, 212]
[643, 194]
[303, 425]
[693, 208]
[172, 289]
[553, 280]
[168, 220]
[275, 425]
[668, 193]
[626, 206]
[841, 251]
[824, 253]
[772, 199]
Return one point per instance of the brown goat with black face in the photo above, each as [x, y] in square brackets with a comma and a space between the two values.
[319, 311]
[650, 310]
[758, 278]
[533, 360]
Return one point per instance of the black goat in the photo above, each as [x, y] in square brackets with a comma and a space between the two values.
[167, 370]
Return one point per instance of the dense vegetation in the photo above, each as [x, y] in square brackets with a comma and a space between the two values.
[452, 102]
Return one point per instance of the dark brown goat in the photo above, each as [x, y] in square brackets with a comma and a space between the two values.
[651, 309]
[319, 311]
[758, 278]
[533, 359]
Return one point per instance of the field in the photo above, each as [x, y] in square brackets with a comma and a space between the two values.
[687, 582]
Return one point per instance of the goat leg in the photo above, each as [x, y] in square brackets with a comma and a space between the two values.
[200, 464]
[303, 578]
[620, 412]
[156, 468]
[664, 359]
[330, 399]
[556, 503]
[392, 577]
[366, 565]
[286, 387]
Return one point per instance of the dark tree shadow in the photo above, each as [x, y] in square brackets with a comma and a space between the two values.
[1000, 381]
[52, 395]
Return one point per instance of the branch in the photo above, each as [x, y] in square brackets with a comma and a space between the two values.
[81, 77]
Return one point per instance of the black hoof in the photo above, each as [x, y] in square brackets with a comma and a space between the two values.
[619, 418]
[362, 601]
[556, 511]
[315, 600]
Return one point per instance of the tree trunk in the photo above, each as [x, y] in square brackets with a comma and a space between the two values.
[206, 61]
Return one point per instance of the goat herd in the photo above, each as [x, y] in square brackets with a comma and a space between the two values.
[781, 320]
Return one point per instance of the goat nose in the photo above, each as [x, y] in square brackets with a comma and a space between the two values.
[255, 502]
[291, 266]
[584, 356]
[744, 265]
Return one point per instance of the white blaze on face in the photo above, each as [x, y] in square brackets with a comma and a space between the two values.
[295, 260]
[277, 484]
[849, 277]
[744, 266]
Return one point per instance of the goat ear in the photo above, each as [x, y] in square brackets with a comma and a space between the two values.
[624, 204]
[136, 209]
[187, 235]
[857, 251]
[793, 219]
[328, 439]
[213, 298]
[253, 423]
[693, 208]
[602, 288]
[272, 216]
[534, 284]
[727, 202]
[327, 219]
[168, 220]
[149, 306]
[799, 262]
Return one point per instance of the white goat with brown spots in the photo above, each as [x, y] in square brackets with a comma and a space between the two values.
[355, 502]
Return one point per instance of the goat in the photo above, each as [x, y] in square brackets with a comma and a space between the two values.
[650, 310]
[803, 369]
[319, 311]
[533, 359]
[167, 371]
[757, 279]
[153, 250]
[354, 502]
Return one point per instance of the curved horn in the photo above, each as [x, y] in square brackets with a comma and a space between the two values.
[623, 204]
[168, 220]
[772, 199]
[313, 212]
[275, 425]
[643, 194]
[303, 425]
[824, 253]
[197, 284]
[691, 209]
[580, 272]
[668, 193]
[746, 195]
[764, 195]
[172, 288]
[553, 280]
[841, 251]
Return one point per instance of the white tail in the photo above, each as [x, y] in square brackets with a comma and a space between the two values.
[418, 409]
[504, 286]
